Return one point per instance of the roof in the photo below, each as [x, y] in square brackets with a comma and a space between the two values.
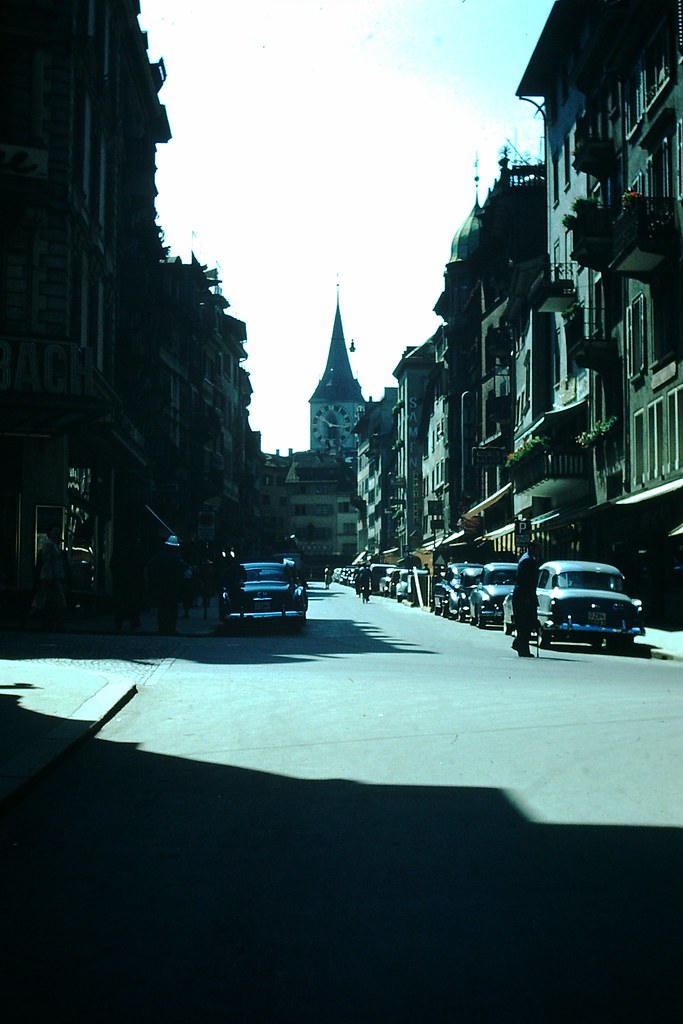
[467, 238]
[337, 383]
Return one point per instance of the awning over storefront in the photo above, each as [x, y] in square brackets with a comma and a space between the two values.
[677, 531]
[452, 537]
[360, 558]
[502, 532]
[653, 492]
[487, 502]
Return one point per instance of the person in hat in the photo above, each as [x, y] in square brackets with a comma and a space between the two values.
[165, 573]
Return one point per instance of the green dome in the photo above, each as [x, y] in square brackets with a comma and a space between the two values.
[466, 239]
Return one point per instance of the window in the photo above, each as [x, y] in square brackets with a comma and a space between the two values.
[656, 65]
[638, 449]
[676, 429]
[636, 334]
[655, 439]
[659, 176]
[634, 99]
[567, 155]
[679, 159]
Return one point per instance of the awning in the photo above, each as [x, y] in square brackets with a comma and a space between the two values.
[502, 532]
[677, 530]
[360, 558]
[452, 537]
[654, 492]
[432, 545]
[553, 417]
[487, 502]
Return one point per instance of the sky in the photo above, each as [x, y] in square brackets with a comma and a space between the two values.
[331, 147]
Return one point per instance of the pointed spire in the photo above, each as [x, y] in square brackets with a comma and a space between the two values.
[338, 383]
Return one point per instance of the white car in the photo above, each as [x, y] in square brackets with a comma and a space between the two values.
[585, 602]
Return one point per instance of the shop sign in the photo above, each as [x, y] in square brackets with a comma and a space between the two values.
[522, 532]
[23, 162]
[39, 368]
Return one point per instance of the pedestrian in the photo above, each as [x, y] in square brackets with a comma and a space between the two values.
[364, 580]
[525, 602]
[327, 577]
[128, 580]
[50, 597]
[165, 576]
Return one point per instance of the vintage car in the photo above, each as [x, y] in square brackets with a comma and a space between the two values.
[450, 585]
[486, 597]
[585, 602]
[388, 583]
[459, 606]
[406, 588]
[265, 592]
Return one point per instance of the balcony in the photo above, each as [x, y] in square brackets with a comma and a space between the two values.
[593, 234]
[589, 345]
[645, 235]
[554, 289]
[551, 474]
[500, 341]
[594, 153]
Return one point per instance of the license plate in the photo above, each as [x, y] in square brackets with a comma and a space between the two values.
[262, 603]
[597, 618]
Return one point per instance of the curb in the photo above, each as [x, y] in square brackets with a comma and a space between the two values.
[24, 770]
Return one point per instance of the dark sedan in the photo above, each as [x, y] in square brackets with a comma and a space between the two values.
[265, 592]
[486, 598]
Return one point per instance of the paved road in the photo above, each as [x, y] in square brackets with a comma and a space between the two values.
[391, 818]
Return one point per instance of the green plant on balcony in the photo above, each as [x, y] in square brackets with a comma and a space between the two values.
[527, 448]
[600, 429]
[580, 203]
[573, 312]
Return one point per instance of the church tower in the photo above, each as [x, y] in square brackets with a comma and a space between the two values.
[337, 402]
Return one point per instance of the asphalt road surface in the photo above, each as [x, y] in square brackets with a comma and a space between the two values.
[390, 818]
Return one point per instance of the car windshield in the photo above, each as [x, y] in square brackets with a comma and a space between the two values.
[259, 573]
[500, 577]
[586, 579]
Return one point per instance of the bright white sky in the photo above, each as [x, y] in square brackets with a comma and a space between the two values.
[325, 141]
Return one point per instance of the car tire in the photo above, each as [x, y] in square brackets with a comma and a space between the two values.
[447, 610]
[596, 643]
[438, 608]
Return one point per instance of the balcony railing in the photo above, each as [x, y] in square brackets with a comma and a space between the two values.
[589, 345]
[594, 153]
[545, 473]
[645, 234]
[554, 289]
[593, 232]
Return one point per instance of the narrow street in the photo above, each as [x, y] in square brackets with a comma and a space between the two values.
[388, 818]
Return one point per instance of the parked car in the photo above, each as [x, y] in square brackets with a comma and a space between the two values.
[459, 606]
[267, 591]
[585, 602]
[405, 588]
[449, 585]
[378, 571]
[387, 585]
[486, 597]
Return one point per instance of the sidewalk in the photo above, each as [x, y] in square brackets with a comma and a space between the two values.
[50, 700]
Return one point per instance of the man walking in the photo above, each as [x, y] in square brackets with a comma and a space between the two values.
[525, 602]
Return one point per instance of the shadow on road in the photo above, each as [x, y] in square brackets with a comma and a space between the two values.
[143, 887]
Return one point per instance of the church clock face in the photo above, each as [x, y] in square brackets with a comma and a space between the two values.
[332, 425]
